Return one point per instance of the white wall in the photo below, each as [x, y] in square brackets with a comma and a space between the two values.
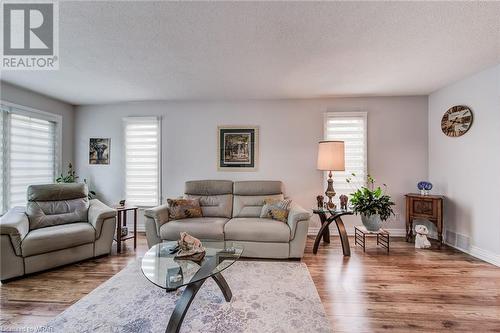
[289, 132]
[21, 96]
[467, 169]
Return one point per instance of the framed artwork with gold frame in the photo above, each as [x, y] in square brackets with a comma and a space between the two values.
[237, 148]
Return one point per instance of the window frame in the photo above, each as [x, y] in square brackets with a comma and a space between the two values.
[158, 119]
[361, 114]
[22, 110]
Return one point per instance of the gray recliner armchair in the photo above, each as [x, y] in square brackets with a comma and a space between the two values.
[60, 225]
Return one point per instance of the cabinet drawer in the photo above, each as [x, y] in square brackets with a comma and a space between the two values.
[423, 207]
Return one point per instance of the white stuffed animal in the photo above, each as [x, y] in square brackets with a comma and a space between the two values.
[421, 241]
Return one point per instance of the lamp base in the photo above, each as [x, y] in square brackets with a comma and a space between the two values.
[330, 192]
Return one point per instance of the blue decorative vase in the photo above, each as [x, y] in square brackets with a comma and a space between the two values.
[371, 222]
[424, 187]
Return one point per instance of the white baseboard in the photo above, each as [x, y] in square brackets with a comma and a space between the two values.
[485, 255]
[463, 244]
[479, 253]
[313, 231]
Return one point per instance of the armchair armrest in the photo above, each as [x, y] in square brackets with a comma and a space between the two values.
[296, 215]
[159, 214]
[98, 213]
[16, 225]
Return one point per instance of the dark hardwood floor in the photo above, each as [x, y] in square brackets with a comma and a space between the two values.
[408, 290]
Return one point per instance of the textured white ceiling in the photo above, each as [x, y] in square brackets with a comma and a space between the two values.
[124, 51]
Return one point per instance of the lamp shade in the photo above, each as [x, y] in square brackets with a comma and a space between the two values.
[331, 156]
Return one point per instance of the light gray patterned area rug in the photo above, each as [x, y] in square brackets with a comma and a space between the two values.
[267, 297]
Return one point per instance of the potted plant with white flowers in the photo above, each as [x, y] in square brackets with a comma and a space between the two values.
[372, 203]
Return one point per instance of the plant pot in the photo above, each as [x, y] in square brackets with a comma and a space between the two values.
[371, 222]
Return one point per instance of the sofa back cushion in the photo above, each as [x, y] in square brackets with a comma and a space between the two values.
[57, 192]
[56, 204]
[216, 196]
[208, 187]
[251, 205]
[215, 205]
[249, 196]
[258, 187]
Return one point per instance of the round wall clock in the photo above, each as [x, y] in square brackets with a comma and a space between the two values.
[456, 121]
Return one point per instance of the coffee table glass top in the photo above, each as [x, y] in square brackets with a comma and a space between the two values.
[166, 271]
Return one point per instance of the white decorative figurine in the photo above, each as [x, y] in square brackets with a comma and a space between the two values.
[421, 241]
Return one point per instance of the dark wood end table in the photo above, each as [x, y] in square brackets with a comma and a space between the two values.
[425, 207]
[122, 222]
[324, 231]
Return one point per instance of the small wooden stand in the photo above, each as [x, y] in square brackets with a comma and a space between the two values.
[122, 222]
[360, 233]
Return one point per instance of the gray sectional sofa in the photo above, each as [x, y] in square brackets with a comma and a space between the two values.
[60, 225]
[231, 212]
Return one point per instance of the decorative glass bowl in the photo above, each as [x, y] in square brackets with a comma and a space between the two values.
[424, 187]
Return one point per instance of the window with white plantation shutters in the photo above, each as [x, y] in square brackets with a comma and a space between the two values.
[349, 127]
[32, 158]
[28, 153]
[142, 161]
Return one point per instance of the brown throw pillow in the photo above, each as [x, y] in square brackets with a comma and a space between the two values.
[279, 214]
[274, 204]
[184, 208]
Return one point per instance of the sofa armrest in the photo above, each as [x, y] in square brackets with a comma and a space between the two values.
[159, 214]
[98, 213]
[16, 225]
[296, 215]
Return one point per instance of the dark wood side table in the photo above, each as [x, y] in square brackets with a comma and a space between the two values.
[425, 207]
[324, 231]
[122, 222]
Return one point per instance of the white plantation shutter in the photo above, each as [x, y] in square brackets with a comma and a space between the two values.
[29, 153]
[32, 157]
[349, 127]
[142, 161]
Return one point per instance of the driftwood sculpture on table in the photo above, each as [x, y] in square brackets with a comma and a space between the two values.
[190, 248]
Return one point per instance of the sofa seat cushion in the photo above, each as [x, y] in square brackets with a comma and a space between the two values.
[206, 228]
[57, 237]
[257, 230]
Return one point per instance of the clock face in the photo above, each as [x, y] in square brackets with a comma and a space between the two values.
[456, 121]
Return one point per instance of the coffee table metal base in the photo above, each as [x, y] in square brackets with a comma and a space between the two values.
[182, 306]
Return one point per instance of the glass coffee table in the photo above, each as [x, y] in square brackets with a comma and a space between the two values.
[170, 273]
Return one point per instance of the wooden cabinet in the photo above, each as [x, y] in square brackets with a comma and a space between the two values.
[426, 207]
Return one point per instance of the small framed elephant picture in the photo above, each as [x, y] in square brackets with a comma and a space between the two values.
[99, 150]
